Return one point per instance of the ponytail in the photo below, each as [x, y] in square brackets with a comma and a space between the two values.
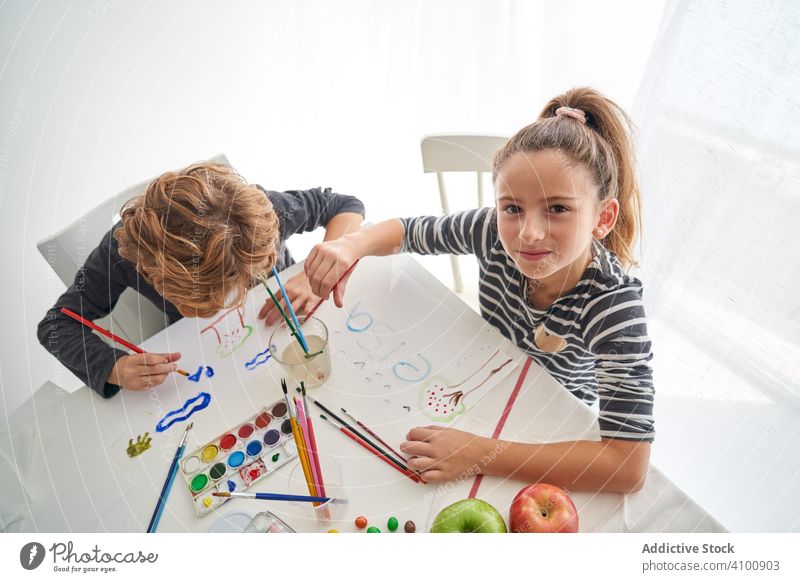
[600, 138]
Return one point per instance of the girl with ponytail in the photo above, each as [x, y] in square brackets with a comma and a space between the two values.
[554, 253]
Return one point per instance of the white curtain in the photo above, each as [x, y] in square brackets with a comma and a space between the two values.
[719, 146]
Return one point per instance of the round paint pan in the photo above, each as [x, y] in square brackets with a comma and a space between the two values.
[209, 453]
[286, 426]
[199, 482]
[218, 471]
[191, 464]
[227, 442]
[254, 448]
[279, 410]
[245, 431]
[236, 459]
[263, 420]
[271, 437]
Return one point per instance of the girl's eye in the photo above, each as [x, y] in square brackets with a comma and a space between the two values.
[558, 209]
[512, 209]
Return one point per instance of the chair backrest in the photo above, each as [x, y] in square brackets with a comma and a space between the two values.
[460, 153]
[134, 317]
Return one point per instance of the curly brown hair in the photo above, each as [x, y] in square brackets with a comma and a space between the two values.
[200, 236]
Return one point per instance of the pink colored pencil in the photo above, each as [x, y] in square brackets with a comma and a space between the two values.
[312, 442]
[310, 446]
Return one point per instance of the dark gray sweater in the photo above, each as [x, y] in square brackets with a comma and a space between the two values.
[105, 275]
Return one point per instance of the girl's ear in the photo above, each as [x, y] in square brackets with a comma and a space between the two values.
[607, 218]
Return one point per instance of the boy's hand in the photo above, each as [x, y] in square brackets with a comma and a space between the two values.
[142, 371]
[299, 292]
[444, 454]
[327, 262]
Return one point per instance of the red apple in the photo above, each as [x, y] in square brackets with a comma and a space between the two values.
[543, 508]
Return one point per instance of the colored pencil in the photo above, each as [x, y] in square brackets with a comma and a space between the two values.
[300, 335]
[401, 465]
[173, 469]
[312, 459]
[110, 335]
[407, 472]
[321, 301]
[313, 441]
[298, 439]
[275, 497]
[369, 430]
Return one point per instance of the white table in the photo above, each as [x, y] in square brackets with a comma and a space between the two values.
[70, 448]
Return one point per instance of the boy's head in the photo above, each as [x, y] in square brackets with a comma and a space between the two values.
[200, 236]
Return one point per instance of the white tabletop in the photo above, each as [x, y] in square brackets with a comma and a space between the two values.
[70, 449]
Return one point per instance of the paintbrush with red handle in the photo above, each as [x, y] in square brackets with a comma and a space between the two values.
[110, 335]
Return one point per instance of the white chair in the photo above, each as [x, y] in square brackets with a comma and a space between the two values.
[459, 153]
[134, 317]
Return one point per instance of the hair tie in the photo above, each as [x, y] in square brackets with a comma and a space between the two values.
[571, 112]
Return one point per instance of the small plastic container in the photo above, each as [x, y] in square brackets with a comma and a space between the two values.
[267, 522]
[324, 513]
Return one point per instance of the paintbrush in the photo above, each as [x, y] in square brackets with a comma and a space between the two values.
[299, 331]
[173, 469]
[357, 438]
[278, 497]
[321, 301]
[369, 430]
[110, 335]
[355, 431]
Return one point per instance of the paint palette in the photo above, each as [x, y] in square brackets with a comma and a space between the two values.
[239, 457]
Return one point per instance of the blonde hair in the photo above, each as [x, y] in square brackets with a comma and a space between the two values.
[603, 144]
[200, 236]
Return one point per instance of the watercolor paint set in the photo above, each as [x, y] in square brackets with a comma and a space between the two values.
[239, 457]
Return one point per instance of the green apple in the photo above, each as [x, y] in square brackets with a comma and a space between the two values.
[469, 516]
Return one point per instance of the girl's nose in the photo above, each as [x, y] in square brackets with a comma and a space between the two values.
[532, 229]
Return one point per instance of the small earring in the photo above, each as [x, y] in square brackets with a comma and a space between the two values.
[600, 232]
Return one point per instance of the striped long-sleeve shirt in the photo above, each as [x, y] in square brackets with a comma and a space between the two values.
[604, 351]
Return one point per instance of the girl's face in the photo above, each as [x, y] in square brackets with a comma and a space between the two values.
[547, 214]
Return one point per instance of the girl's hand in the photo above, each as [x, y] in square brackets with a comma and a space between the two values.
[444, 454]
[327, 262]
[143, 371]
[299, 292]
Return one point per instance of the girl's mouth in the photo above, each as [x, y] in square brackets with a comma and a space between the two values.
[535, 256]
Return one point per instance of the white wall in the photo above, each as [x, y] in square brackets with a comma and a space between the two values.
[95, 96]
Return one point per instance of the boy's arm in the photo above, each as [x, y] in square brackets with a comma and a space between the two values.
[306, 210]
[94, 292]
[444, 454]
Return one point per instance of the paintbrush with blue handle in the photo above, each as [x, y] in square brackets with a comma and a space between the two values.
[173, 469]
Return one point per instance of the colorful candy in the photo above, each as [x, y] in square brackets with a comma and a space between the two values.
[361, 522]
[410, 527]
[392, 523]
[373, 529]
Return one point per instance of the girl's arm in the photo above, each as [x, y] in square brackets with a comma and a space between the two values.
[460, 233]
[329, 260]
[443, 454]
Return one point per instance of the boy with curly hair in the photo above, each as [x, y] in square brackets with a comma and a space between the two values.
[192, 244]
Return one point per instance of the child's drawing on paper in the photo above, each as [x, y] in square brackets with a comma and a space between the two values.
[442, 402]
[231, 332]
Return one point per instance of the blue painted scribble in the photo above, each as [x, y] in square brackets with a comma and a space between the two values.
[260, 358]
[196, 376]
[194, 404]
[209, 371]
